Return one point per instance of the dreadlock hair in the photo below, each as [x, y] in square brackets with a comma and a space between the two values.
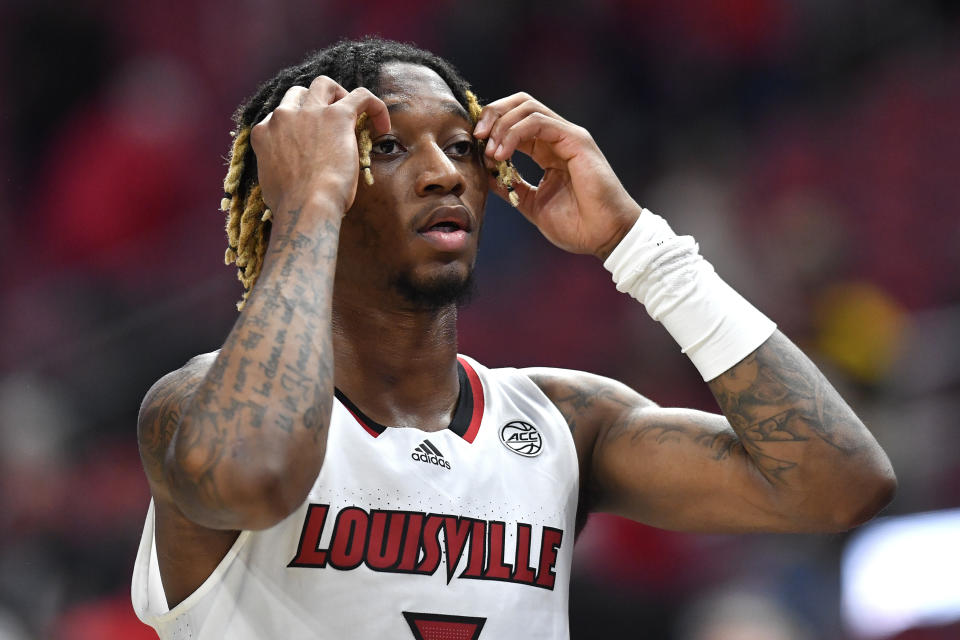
[352, 64]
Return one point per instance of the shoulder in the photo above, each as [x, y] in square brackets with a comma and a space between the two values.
[591, 405]
[161, 409]
[586, 399]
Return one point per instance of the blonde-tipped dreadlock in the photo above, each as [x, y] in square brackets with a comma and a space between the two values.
[505, 173]
[246, 232]
[352, 64]
[366, 146]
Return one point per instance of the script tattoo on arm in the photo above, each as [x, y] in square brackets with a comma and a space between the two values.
[266, 400]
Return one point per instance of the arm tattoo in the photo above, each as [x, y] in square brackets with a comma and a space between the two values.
[720, 445]
[617, 406]
[159, 418]
[778, 402]
[273, 378]
[574, 401]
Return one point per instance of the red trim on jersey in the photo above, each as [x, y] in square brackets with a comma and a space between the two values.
[364, 424]
[358, 415]
[466, 417]
[476, 387]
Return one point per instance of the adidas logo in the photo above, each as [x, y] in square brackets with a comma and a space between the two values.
[426, 452]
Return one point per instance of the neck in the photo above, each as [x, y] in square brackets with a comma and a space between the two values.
[398, 366]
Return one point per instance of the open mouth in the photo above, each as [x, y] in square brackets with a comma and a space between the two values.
[444, 226]
[447, 228]
[447, 219]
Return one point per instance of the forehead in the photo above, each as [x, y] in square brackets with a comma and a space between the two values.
[404, 82]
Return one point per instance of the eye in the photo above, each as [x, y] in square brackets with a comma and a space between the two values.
[386, 147]
[461, 148]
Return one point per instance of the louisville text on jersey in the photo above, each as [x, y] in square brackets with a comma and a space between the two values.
[410, 542]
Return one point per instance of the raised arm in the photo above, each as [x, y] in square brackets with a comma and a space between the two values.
[787, 455]
[234, 441]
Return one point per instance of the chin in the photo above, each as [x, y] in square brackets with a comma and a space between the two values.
[437, 290]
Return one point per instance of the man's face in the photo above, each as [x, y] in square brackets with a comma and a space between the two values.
[414, 232]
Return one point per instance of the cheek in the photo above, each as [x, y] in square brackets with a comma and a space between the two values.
[370, 222]
[369, 199]
[479, 189]
[357, 237]
[481, 180]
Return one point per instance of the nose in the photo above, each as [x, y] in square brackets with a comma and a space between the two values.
[438, 174]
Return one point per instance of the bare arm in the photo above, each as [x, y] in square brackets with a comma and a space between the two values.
[247, 439]
[251, 441]
[789, 455]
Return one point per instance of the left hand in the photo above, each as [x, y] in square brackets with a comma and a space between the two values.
[579, 204]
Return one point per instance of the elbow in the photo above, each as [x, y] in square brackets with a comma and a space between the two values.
[264, 501]
[253, 501]
[238, 492]
[865, 500]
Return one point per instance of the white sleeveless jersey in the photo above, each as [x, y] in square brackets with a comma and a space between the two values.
[459, 534]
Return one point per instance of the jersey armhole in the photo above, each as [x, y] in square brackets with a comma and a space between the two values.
[583, 496]
[154, 610]
[528, 382]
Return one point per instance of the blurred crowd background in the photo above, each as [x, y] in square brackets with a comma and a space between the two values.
[810, 146]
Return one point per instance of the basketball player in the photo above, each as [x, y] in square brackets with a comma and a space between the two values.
[337, 470]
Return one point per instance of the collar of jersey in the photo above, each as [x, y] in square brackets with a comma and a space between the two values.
[466, 416]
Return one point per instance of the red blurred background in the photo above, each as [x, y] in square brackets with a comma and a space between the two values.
[810, 146]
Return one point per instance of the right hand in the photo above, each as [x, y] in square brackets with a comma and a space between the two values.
[307, 146]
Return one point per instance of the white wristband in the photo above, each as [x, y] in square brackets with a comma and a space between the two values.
[713, 324]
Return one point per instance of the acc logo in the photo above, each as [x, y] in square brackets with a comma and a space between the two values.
[521, 437]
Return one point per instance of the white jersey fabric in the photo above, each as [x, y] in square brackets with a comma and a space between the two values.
[459, 534]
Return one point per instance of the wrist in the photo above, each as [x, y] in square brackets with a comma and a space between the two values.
[303, 223]
[314, 205]
[647, 231]
[624, 224]
[713, 324]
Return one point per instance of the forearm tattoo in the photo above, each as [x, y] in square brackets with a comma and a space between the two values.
[779, 403]
[273, 377]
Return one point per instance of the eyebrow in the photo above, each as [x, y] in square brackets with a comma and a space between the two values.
[454, 108]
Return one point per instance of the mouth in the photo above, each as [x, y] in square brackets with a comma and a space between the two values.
[447, 228]
[447, 219]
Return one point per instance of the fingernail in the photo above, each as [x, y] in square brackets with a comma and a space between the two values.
[498, 151]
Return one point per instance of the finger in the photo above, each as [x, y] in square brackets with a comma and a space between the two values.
[561, 136]
[524, 190]
[361, 100]
[509, 119]
[488, 163]
[293, 98]
[498, 108]
[323, 91]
